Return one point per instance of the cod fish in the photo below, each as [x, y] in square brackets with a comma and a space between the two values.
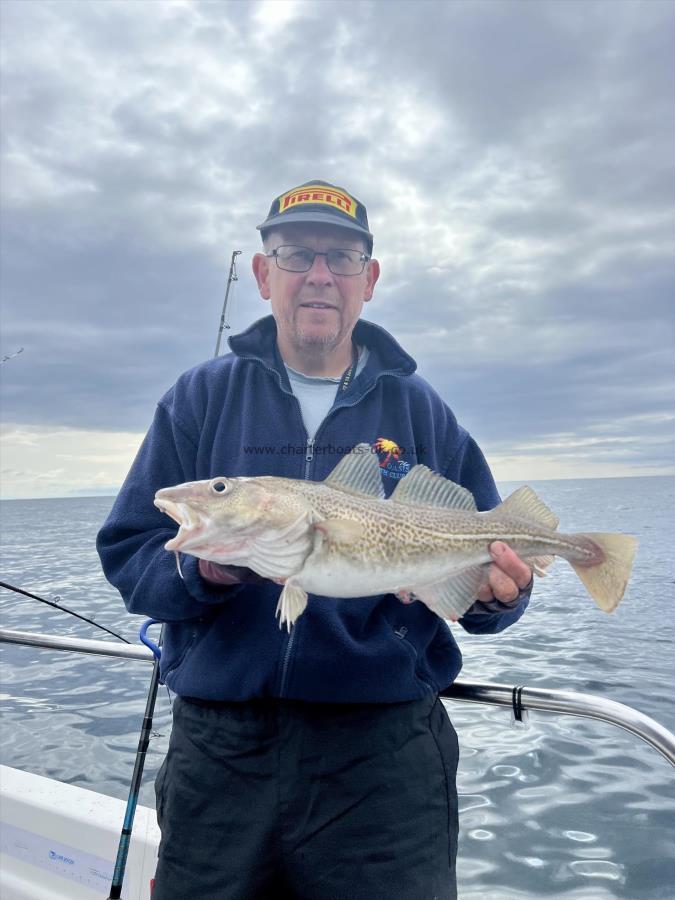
[341, 538]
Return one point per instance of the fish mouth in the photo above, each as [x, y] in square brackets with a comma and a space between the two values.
[190, 526]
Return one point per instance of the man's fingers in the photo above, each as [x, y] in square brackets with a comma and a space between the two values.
[507, 576]
[485, 592]
[498, 587]
[510, 564]
[503, 587]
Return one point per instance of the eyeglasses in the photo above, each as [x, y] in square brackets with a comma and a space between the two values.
[291, 258]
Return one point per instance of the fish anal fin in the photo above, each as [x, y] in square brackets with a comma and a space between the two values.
[422, 487]
[525, 504]
[451, 598]
[358, 472]
[291, 605]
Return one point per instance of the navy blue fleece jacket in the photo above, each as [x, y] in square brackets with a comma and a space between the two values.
[236, 415]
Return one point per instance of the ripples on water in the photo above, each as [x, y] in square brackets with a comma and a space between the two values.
[560, 807]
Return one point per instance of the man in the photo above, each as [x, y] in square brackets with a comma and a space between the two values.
[319, 764]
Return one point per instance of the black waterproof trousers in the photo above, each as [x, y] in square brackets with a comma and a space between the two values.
[274, 799]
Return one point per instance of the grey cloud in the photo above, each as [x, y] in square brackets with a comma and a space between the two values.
[516, 160]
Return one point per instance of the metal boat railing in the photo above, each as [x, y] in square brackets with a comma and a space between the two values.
[519, 699]
[78, 645]
[569, 703]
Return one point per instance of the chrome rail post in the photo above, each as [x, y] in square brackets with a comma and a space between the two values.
[569, 703]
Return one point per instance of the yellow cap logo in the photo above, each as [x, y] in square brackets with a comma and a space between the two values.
[318, 194]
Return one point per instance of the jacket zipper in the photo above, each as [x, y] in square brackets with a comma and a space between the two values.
[309, 458]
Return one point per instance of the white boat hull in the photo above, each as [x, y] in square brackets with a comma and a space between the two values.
[59, 842]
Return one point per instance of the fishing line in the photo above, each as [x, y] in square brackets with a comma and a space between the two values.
[54, 605]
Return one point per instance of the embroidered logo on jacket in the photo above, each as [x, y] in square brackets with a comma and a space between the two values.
[391, 464]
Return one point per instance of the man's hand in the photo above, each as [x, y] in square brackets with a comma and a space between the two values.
[226, 576]
[508, 575]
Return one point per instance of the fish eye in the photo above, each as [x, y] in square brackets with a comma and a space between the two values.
[219, 486]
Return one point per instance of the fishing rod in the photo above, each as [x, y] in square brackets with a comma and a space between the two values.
[55, 605]
[230, 278]
[146, 727]
[136, 778]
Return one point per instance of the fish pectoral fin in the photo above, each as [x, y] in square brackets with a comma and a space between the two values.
[423, 487]
[525, 504]
[451, 598]
[291, 605]
[358, 472]
[340, 531]
[282, 553]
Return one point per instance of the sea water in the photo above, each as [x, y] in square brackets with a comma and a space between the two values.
[561, 807]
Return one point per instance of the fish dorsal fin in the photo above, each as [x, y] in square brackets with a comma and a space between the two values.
[423, 487]
[358, 471]
[525, 504]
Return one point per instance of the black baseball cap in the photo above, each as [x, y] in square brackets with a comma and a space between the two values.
[322, 203]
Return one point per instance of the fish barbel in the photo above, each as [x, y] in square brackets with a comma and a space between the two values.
[341, 538]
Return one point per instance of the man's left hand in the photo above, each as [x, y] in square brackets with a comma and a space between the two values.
[508, 575]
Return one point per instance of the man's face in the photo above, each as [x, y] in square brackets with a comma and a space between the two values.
[314, 309]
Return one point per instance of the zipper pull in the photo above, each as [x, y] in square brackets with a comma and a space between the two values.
[309, 456]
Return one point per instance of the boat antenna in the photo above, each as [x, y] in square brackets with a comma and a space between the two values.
[146, 727]
[230, 278]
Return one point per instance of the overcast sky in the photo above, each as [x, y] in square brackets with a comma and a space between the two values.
[517, 162]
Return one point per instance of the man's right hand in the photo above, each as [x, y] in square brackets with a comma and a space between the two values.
[215, 573]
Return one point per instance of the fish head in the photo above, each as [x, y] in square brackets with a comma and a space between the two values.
[219, 517]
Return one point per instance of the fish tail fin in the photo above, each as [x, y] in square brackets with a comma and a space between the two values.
[606, 581]
[291, 605]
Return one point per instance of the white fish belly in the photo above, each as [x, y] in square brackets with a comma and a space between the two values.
[337, 576]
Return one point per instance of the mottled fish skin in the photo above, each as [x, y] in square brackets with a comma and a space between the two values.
[399, 547]
[339, 538]
[395, 539]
